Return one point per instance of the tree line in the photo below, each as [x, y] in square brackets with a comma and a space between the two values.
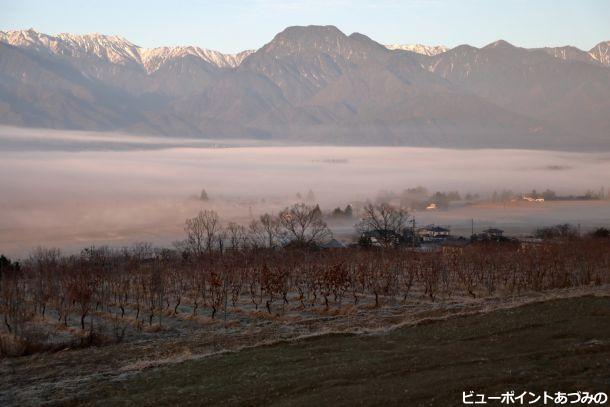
[271, 266]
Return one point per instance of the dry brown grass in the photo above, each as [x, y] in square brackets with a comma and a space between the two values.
[155, 328]
[258, 314]
[232, 323]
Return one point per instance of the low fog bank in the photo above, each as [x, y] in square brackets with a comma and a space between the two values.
[71, 199]
[33, 139]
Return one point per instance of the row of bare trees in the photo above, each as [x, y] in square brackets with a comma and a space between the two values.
[145, 284]
[299, 225]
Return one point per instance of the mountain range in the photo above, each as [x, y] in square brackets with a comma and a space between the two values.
[309, 85]
[419, 48]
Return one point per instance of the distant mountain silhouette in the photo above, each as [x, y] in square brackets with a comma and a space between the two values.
[312, 85]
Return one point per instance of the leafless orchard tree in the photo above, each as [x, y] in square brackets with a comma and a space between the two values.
[102, 284]
[48, 260]
[12, 307]
[304, 225]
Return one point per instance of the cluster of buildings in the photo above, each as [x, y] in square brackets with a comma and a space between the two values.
[428, 238]
[532, 199]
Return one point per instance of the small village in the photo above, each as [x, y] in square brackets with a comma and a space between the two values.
[428, 238]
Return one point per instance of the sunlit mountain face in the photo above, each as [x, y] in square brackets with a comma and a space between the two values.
[309, 85]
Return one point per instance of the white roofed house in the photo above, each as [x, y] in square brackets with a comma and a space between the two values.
[493, 232]
[433, 233]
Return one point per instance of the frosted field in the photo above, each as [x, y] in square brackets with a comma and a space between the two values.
[72, 189]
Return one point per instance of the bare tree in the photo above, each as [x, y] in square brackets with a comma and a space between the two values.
[304, 224]
[237, 235]
[81, 294]
[142, 250]
[44, 262]
[385, 219]
[202, 231]
[12, 306]
[266, 231]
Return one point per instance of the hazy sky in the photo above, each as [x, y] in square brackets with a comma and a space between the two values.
[233, 25]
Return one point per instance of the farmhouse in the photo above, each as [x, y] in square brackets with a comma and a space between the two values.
[493, 233]
[381, 237]
[433, 233]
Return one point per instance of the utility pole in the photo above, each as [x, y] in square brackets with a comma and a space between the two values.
[413, 231]
[471, 228]
[226, 300]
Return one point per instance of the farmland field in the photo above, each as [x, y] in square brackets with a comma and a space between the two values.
[426, 363]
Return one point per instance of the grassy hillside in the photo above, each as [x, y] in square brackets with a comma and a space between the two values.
[558, 345]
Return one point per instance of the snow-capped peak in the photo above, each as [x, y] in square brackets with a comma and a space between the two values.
[153, 58]
[29, 39]
[419, 48]
[601, 53]
[114, 49]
